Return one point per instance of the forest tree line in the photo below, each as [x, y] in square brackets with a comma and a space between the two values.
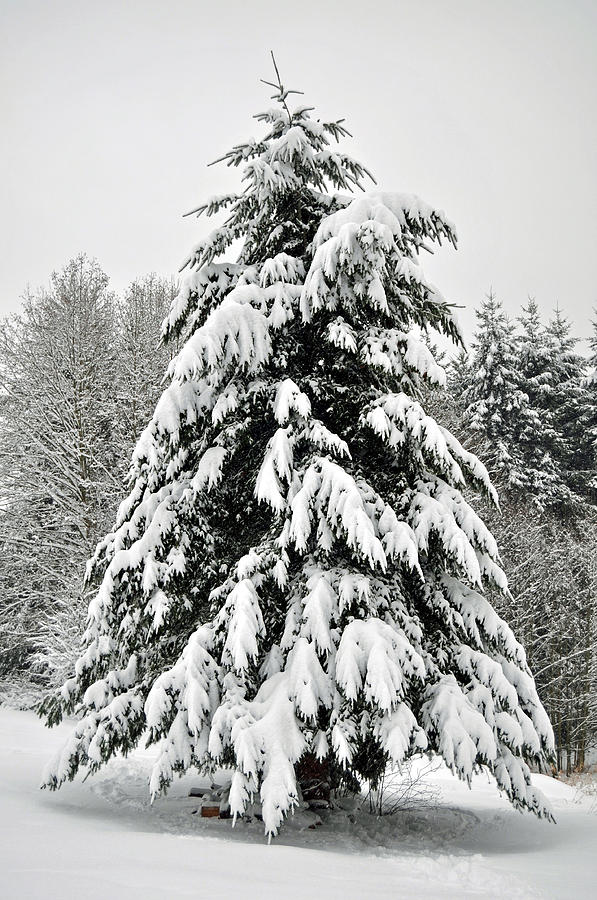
[81, 370]
[525, 400]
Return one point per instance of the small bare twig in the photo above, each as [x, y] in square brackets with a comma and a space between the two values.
[402, 789]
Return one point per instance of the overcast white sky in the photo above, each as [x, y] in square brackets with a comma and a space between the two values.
[111, 110]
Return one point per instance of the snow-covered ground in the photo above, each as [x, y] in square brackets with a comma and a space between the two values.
[101, 839]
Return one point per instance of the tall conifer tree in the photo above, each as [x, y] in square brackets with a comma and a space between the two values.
[539, 440]
[593, 348]
[496, 407]
[571, 403]
[590, 412]
[295, 570]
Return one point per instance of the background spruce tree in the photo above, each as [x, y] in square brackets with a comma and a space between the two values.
[571, 404]
[496, 407]
[539, 441]
[295, 570]
[593, 350]
[589, 414]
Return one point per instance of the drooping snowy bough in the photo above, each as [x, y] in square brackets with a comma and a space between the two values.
[295, 570]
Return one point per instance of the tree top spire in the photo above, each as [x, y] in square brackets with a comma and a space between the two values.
[281, 92]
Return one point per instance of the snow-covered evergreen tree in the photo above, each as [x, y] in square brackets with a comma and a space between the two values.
[593, 350]
[590, 409]
[571, 402]
[539, 440]
[496, 407]
[295, 570]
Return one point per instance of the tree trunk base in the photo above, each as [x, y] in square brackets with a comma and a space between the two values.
[313, 777]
